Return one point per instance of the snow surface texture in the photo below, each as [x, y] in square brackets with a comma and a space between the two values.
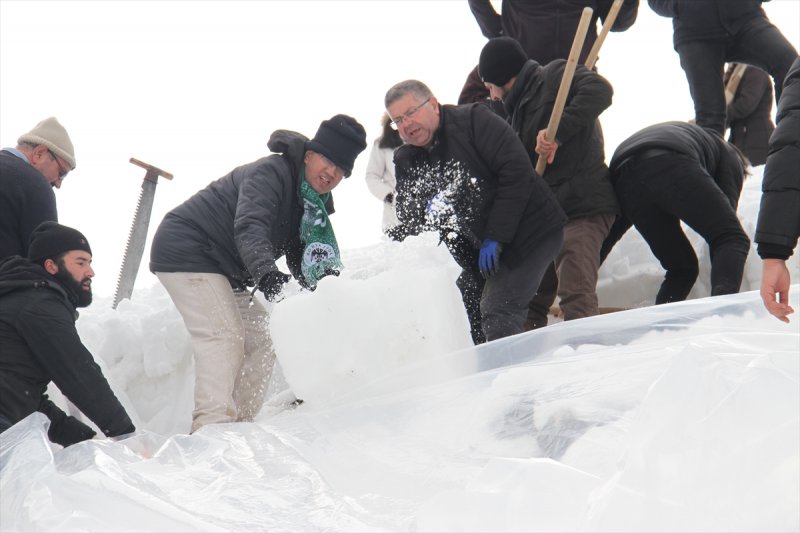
[671, 418]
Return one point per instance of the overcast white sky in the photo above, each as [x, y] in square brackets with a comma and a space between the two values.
[196, 88]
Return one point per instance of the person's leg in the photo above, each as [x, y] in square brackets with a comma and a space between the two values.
[578, 263]
[508, 292]
[209, 311]
[471, 288]
[766, 48]
[648, 185]
[540, 304]
[708, 212]
[703, 63]
[618, 230]
[259, 358]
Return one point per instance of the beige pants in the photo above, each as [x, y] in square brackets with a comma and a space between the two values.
[233, 355]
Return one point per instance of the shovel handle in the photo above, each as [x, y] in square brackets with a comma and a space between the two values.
[566, 82]
[591, 59]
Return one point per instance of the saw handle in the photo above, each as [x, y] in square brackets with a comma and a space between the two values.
[153, 172]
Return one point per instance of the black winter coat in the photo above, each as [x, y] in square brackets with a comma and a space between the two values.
[26, 200]
[778, 225]
[478, 164]
[39, 344]
[578, 176]
[711, 152]
[749, 115]
[242, 223]
[711, 20]
[546, 28]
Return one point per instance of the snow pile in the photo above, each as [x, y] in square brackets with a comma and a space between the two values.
[676, 417]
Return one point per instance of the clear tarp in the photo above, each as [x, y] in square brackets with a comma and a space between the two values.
[682, 417]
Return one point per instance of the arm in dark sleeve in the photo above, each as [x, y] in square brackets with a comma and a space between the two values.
[626, 16]
[665, 8]
[729, 174]
[64, 430]
[589, 96]
[488, 19]
[69, 364]
[502, 151]
[752, 87]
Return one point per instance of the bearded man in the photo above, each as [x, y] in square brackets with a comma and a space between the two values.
[39, 344]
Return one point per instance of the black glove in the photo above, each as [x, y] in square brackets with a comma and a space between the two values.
[69, 430]
[389, 197]
[272, 283]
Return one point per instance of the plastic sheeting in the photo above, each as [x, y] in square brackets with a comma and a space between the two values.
[676, 417]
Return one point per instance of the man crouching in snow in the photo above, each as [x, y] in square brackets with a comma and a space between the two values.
[39, 343]
[227, 237]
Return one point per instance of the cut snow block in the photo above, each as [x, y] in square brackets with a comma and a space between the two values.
[351, 332]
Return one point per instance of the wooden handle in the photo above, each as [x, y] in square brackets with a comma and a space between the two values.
[733, 82]
[151, 170]
[566, 82]
[591, 59]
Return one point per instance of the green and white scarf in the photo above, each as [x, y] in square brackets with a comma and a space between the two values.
[320, 251]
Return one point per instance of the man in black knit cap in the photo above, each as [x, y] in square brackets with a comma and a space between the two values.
[576, 171]
[39, 342]
[226, 238]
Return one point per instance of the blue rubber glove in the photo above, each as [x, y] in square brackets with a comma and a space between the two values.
[489, 259]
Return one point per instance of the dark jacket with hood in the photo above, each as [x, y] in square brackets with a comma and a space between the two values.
[39, 344]
[481, 172]
[749, 115]
[778, 225]
[26, 200]
[578, 175]
[242, 223]
[715, 156]
[710, 20]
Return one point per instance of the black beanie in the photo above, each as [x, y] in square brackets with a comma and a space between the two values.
[51, 239]
[501, 59]
[340, 139]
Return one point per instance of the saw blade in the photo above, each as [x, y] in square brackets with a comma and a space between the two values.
[136, 241]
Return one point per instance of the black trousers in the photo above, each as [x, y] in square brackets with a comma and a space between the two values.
[703, 61]
[659, 192]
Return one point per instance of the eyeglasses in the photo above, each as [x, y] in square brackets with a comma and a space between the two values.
[339, 173]
[61, 172]
[397, 122]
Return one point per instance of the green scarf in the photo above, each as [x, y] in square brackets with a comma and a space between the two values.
[320, 251]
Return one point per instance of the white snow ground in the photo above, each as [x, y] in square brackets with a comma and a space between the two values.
[683, 417]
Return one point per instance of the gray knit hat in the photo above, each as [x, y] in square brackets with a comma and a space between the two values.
[52, 134]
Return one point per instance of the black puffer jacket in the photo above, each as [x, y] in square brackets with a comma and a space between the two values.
[546, 28]
[778, 225]
[482, 171]
[711, 152]
[26, 200]
[748, 115]
[40, 344]
[578, 175]
[242, 223]
[694, 20]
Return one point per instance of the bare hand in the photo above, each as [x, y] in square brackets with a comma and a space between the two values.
[775, 279]
[545, 148]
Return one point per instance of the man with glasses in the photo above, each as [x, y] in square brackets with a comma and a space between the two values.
[210, 250]
[41, 160]
[463, 172]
